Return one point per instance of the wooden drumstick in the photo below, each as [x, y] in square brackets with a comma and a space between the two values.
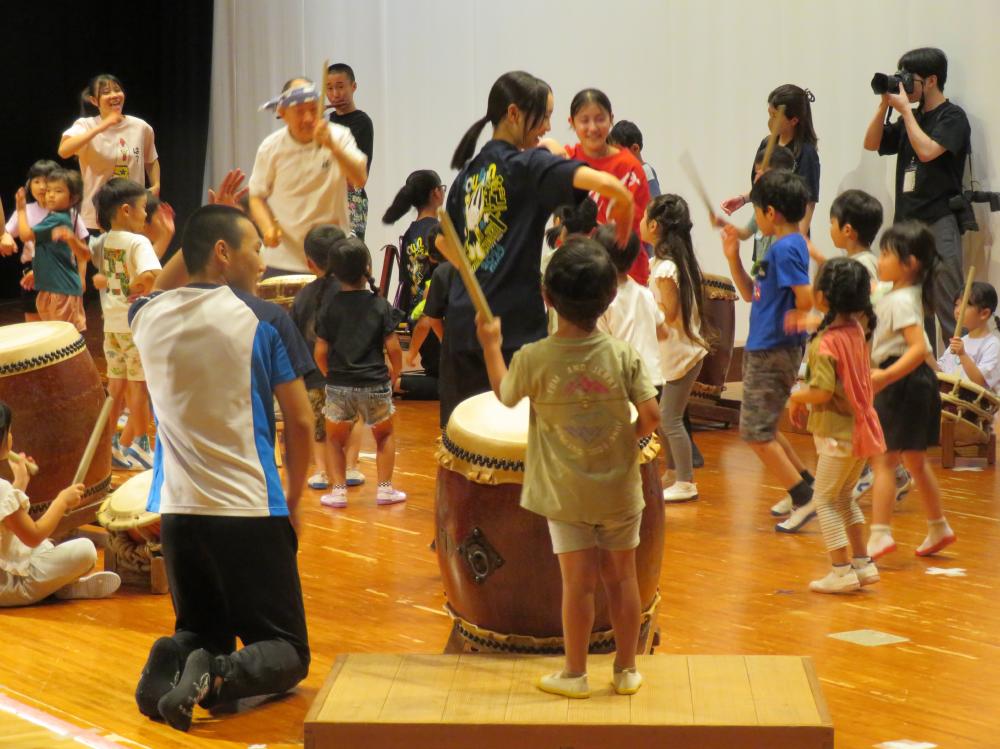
[321, 102]
[965, 301]
[687, 164]
[455, 254]
[31, 465]
[772, 139]
[95, 437]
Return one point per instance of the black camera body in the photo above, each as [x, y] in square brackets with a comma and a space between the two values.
[883, 83]
[961, 206]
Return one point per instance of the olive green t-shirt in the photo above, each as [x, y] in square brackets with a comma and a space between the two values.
[582, 459]
[835, 418]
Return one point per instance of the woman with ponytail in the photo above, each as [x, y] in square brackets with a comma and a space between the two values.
[500, 203]
[424, 192]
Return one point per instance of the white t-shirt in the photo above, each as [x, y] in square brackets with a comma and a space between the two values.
[304, 186]
[985, 354]
[35, 215]
[123, 257]
[15, 556]
[633, 317]
[678, 353]
[121, 151]
[879, 288]
[898, 309]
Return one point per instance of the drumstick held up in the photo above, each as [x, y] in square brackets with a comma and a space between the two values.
[965, 301]
[321, 102]
[31, 465]
[95, 437]
[687, 164]
[772, 139]
[455, 255]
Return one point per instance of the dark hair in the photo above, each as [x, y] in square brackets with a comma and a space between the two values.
[342, 67]
[673, 242]
[152, 206]
[74, 184]
[6, 417]
[523, 90]
[432, 251]
[847, 286]
[781, 158]
[416, 193]
[797, 102]
[621, 257]
[912, 238]
[575, 219]
[861, 210]
[925, 61]
[204, 228]
[589, 96]
[41, 168]
[350, 261]
[784, 191]
[93, 89]
[580, 281]
[319, 244]
[984, 296]
[116, 192]
[625, 134]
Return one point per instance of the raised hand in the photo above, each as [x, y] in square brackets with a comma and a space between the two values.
[230, 190]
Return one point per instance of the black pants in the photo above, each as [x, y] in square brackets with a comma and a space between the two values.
[463, 374]
[238, 577]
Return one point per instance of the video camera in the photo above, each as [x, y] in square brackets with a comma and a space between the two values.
[883, 83]
[961, 206]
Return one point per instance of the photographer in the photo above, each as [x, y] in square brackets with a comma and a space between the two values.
[931, 144]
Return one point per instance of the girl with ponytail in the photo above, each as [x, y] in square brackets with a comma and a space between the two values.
[424, 192]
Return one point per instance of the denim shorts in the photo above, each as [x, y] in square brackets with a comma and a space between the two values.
[372, 403]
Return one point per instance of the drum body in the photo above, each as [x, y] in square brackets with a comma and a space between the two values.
[282, 289]
[124, 511]
[49, 380]
[720, 316]
[501, 578]
[971, 407]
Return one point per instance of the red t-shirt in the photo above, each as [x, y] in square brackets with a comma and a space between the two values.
[628, 170]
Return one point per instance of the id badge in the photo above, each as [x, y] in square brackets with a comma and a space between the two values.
[910, 178]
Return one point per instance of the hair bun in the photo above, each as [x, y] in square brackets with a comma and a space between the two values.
[809, 95]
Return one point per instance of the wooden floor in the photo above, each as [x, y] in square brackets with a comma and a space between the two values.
[730, 585]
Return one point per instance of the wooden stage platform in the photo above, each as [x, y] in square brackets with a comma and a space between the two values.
[490, 702]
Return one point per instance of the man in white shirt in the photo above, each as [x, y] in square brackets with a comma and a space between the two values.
[300, 177]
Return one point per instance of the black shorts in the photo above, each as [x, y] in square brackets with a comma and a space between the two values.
[910, 409]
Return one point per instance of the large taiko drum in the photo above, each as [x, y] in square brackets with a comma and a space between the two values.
[49, 380]
[500, 575]
[971, 407]
[720, 315]
[282, 289]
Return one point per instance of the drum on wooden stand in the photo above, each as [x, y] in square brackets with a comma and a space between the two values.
[54, 391]
[133, 534]
[500, 576]
[282, 289]
[970, 407]
[720, 314]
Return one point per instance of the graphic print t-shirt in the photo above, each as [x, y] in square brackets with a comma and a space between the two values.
[124, 257]
[414, 266]
[500, 203]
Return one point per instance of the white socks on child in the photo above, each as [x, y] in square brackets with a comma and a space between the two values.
[880, 542]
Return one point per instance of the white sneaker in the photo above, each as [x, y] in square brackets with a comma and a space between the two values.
[865, 481]
[388, 496]
[627, 681]
[867, 574]
[904, 482]
[783, 507]
[318, 480]
[797, 520]
[120, 461]
[835, 582]
[574, 687]
[94, 585]
[336, 498]
[354, 477]
[680, 491]
[140, 453]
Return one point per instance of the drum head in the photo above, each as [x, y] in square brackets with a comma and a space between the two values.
[32, 345]
[125, 509]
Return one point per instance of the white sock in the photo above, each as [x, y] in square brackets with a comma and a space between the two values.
[859, 563]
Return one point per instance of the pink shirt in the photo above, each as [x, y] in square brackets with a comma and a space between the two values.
[35, 215]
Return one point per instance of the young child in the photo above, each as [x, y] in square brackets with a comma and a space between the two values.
[424, 192]
[676, 284]
[31, 567]
[843, 423]
[781, 158]
[976, 355]
[427, 346]
[38, 174]
[57, 249]
[340, 88]
[772, 356]
[627, 135]
[129, 267]
[353, 331]
[582, 471]
[907, 399]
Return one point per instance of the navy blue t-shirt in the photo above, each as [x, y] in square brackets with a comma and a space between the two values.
[806, 166]
[785, 265]
[414, 265]
[500, 203]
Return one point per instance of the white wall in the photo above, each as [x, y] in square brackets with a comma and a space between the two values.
[693, 75]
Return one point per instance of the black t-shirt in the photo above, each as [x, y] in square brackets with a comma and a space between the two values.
[437, 295]
[806, 166]
[304, 310]
[361, 127]
[937, 181]
[499, 204]
[414, 264]
[355, 324]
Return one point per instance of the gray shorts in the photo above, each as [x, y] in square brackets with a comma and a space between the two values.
[613, 535]
[768, 379]
[372, 403]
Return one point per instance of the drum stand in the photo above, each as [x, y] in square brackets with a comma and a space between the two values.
[116, 559]
[949, 449]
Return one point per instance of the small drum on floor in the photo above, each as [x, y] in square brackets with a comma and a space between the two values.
[282, 289]
[133, 534]
[54, 391]
[720, 315]
[501, 578]
[970, 407]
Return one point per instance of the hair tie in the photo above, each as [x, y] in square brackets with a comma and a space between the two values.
[810, 96]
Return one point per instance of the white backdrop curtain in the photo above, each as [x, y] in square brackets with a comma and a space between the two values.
[693, 75]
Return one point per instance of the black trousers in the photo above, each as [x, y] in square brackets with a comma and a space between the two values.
[233, 577]
[463, 374]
